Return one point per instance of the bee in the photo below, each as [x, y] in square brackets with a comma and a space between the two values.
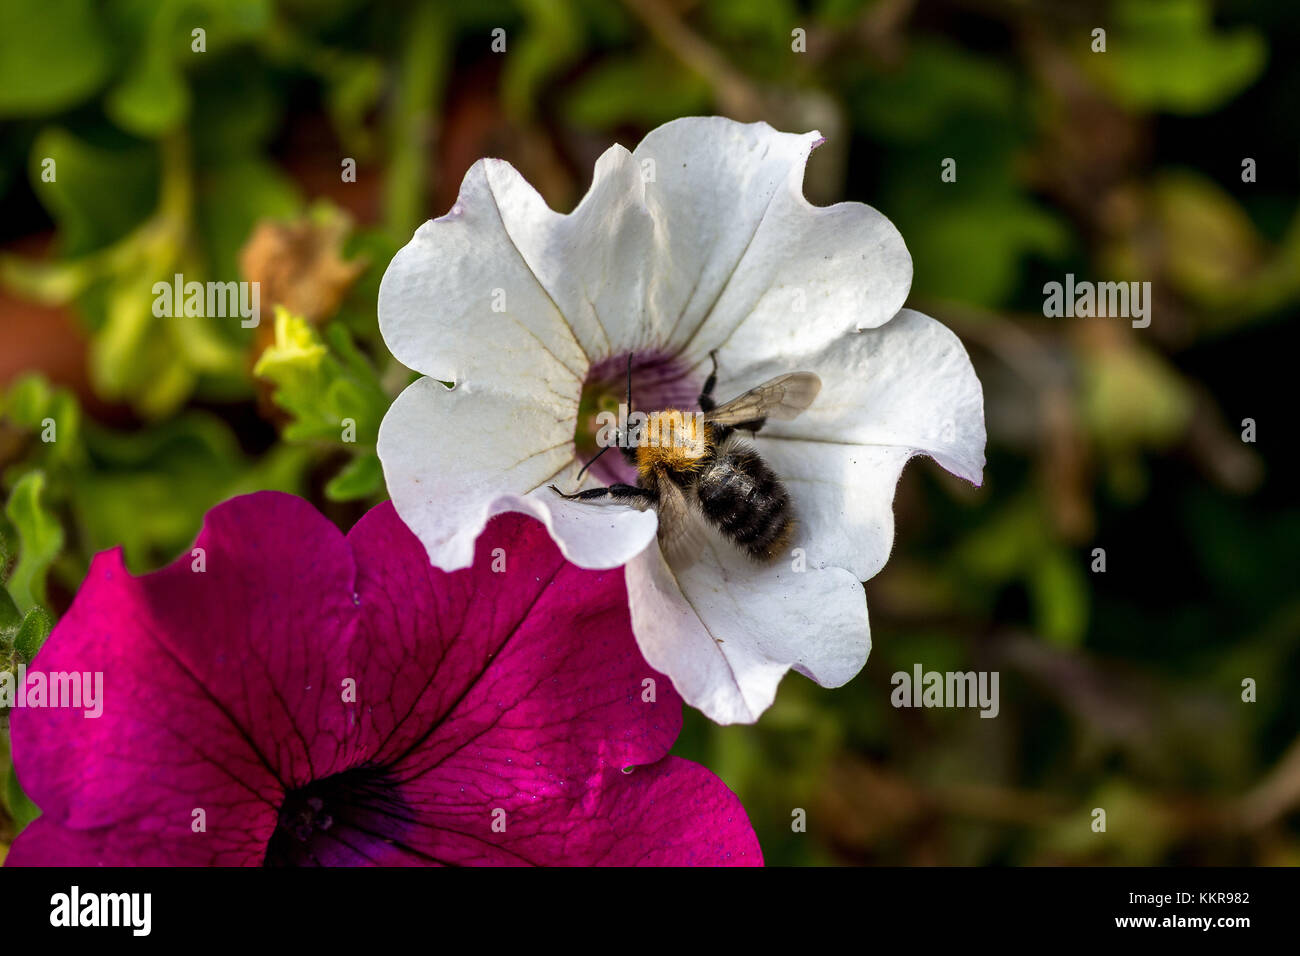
[711, 472]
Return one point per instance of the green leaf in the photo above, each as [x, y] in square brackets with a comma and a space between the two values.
[10, 617]
[19, 807]
[40, 539]
[552, 38]
[1132, 398]
[322, 385]
[1060, 595]
[27, 400]
[33, 405]
[100, 192]
[754, 20]
[362, 477]
[53, 54]
[614, 92]
[970, 249]
[354, 85]
[1212, 249]
[151, 487]
[153, 98]
[237, 108]
[232, 197]
[32, 633]
[1166, 54]
[935, 83]
[134, 355]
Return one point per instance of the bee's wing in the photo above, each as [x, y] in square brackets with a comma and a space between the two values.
[681, 529]
[783, 398]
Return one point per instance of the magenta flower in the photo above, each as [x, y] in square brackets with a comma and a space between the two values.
[309, 698]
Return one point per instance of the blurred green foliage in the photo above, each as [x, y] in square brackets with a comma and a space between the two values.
[333, 394]
[1173, 58]
[128, 155]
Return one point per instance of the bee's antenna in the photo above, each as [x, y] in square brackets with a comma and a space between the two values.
[629, 382]
[592, 462]
[629, 408]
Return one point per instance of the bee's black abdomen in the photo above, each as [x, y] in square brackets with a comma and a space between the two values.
[746, 501]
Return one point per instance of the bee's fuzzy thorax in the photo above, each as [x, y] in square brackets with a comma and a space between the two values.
[682, 447]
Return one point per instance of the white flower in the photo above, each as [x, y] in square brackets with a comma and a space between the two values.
[700, 239]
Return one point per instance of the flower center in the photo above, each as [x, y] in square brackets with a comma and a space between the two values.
[315, 820]
[659, 381]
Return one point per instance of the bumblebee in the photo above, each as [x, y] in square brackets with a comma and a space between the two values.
[711, 473]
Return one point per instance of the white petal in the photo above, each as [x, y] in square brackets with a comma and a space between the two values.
[594, 262]
[726, 630]
[743, 248]
[453, 458]
[459, 302]
[903, 389]
[909, 383]
[843, 500]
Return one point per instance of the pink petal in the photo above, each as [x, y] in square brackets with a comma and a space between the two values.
[480, 696]
[213, 687]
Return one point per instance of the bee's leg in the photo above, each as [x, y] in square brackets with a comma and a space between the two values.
[619, 492]
[753, 425]
[707, 404]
